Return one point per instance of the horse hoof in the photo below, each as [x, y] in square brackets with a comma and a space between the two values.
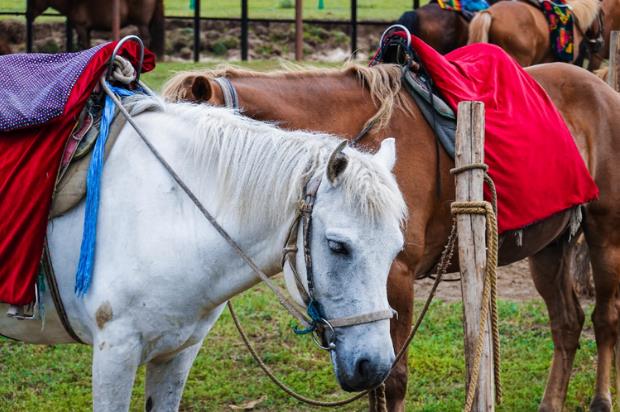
[600, 404]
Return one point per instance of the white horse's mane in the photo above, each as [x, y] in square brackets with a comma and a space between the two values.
[258, 163]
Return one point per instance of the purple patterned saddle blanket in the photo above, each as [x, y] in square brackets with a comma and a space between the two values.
[34, 88]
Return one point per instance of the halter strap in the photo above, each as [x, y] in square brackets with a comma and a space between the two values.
[304, 217]
[231, 98]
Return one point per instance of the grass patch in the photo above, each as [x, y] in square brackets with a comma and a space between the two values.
[58, 378]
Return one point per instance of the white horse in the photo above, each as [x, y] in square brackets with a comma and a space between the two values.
[162, 273]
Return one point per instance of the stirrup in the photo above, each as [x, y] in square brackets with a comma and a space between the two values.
[26, 312]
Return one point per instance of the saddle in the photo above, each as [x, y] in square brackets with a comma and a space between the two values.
[70, 186]
[395, 49]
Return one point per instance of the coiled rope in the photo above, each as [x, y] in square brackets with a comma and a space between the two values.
[489, 291]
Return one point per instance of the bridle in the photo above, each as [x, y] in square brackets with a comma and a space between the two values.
[319, 323]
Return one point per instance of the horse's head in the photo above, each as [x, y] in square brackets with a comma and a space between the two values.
[352, 237]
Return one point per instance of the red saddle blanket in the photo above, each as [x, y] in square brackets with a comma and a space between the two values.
[532, 157]
[41, 98]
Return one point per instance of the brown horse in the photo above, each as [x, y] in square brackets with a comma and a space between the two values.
[520, 28]
[342, 101]
[87, 15]
[443, 30]
[611, 22]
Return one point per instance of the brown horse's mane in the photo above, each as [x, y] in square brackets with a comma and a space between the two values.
[382, 81]
[585, 12]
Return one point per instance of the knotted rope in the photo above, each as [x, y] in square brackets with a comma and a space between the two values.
[489, 292]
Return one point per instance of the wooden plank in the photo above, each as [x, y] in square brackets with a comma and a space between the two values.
[613, 76]
[472, 246]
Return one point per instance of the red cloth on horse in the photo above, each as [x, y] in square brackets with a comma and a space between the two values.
[531, 155]
[29, 162]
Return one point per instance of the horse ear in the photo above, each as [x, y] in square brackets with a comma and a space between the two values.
[387, 153]
[337, 162]
[201, 89]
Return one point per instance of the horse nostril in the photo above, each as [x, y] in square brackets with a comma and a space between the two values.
[363, 368]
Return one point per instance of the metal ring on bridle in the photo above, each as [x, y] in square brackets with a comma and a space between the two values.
[117, 49]
[331, 344]
[393, 27]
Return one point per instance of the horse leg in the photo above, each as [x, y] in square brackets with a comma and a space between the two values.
[400, 294]
[165, 380]
[145, 34]
[606, 270]
[551, 273]
[116, 357]
[166, 377]
[83, 34]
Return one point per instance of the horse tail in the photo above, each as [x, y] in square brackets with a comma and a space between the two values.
[479, 28]
[157, 29]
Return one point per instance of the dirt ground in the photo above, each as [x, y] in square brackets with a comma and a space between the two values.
[514, 283]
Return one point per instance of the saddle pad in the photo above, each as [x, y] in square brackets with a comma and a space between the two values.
[531, 154]
[471, 6]
[32, 140]
[561, 22]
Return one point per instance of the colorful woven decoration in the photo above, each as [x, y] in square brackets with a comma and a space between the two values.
[561, 25]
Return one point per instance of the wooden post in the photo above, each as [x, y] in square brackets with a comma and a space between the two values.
[196, 31]
[613, 76]
[299, 31]
[244, 30]
[353, 27]
[116, 20]
[472, 247]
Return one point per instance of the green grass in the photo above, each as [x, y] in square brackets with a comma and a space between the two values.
[165, 70]
[58, 378]
[334, 9]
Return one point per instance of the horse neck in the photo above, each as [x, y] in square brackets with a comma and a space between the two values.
[338, 103]
[308, 101]
[259, 238]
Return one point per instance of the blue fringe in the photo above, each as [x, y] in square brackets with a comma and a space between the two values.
[84, 273]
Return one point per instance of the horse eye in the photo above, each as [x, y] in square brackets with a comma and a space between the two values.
[337, 247]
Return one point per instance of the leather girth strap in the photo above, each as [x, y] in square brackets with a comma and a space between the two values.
[50, 279]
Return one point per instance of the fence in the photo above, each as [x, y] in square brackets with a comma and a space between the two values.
[244, 20]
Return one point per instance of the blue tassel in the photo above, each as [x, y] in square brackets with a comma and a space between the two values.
[84, 273]
[314, 311]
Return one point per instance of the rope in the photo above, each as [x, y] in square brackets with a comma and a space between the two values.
[489, 293]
